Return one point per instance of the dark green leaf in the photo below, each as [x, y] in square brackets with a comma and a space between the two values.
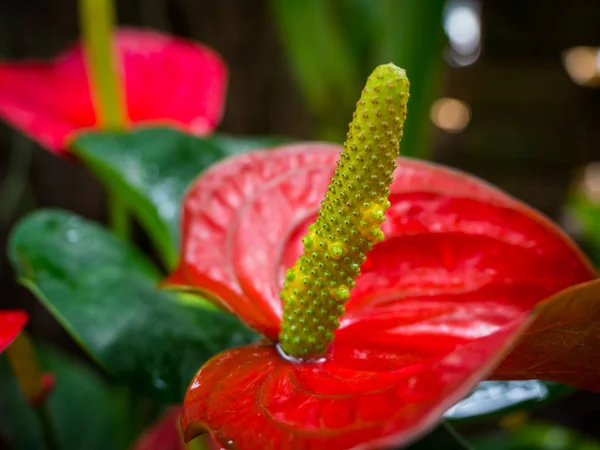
[443, 437]
[410, 34]
[103, 292]
[324, 65]
[151, 168]
[587, 214]
[87, 413]
[348, 39]
[535, 436]
[493, 398]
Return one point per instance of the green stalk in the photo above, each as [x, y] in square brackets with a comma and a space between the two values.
[97, 18]
[118, 217]
[48, 429]
[25, 367]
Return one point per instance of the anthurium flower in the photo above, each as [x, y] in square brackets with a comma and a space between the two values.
[11, 324]
[451, 280]
[167, 81]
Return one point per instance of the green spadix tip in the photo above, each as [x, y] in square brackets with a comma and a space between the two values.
[349, 221]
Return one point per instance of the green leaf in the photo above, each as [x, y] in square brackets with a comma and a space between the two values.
[535, 436]
[323, 64]
[87, 412]
[443, 437]
[411, 35]
[493, 398]
[103, 292]
[587, 214]
[348, 39]
[151, 168]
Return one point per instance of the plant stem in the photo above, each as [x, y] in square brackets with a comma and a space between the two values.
[118, 218]
[97, 19]
[14, 185]
[48, 428]
[26, 369]
[461, 440]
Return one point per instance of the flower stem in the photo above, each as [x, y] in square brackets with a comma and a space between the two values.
[26, 369]
[317, 287]
[48, 429]
[97, 19]
[118, 217]
[24, 365]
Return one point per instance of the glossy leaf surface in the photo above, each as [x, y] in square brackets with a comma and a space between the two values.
[496, 398]
[103, 292]
[11, 324]
[152, 168]
[462, 267]
[50, 101]
[93, 419]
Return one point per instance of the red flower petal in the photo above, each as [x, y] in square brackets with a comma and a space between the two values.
[11, 324]
[251, 397]
[215, 226]
[437, 303]
[167, 81]
[164, 434]
[460, 260]
[474, 262]
[561, 342]
[470, 254]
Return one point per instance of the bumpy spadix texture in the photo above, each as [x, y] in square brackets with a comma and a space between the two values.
[349, 221]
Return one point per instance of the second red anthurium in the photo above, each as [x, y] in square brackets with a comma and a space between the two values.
[165, 81]
[380, 306]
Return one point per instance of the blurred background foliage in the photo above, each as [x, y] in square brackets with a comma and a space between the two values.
[332, 46]
[507, 90]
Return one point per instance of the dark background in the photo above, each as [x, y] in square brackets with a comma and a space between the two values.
[532, 126]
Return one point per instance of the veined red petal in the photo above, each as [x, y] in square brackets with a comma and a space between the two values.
[11, 324]
[461, 259]
[562, 342]
[230, 255]
[356, 398]
[49, 101]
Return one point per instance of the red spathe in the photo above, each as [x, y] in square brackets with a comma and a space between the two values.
[167, 81]
[437, 306]
[12, 323]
